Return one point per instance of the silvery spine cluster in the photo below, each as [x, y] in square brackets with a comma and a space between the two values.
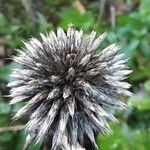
[67, 87]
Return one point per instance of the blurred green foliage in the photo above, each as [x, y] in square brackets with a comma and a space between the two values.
[132, 32]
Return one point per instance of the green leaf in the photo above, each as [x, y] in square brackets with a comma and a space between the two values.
[13, 42]
[4, 108]
[8, 29]
[73, 16]
[21, 140]
[6, 70]
[140, 101]
[123, 138]
[130, 49]
[6, 137]
[147, 85]
[43, 24]
[140, 74]
[122, 19]
[144, 7]
[2, 20]
[144, 47]
[5, 120]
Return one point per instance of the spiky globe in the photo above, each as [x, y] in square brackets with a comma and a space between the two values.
[68, 87]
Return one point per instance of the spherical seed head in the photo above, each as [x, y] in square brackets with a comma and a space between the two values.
[68, 86]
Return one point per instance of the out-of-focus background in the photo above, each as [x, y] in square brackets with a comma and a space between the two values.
[127, 23]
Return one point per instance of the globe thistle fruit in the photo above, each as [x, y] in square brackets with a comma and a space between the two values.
[68, 87]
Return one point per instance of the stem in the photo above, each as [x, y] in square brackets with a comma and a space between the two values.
[79, 6]
[11, 128]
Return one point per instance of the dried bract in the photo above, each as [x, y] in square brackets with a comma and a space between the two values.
[68, 86]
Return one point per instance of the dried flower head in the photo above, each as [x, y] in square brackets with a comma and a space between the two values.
[68, 86]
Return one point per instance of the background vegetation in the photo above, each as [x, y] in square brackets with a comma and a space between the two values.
[128, 24]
